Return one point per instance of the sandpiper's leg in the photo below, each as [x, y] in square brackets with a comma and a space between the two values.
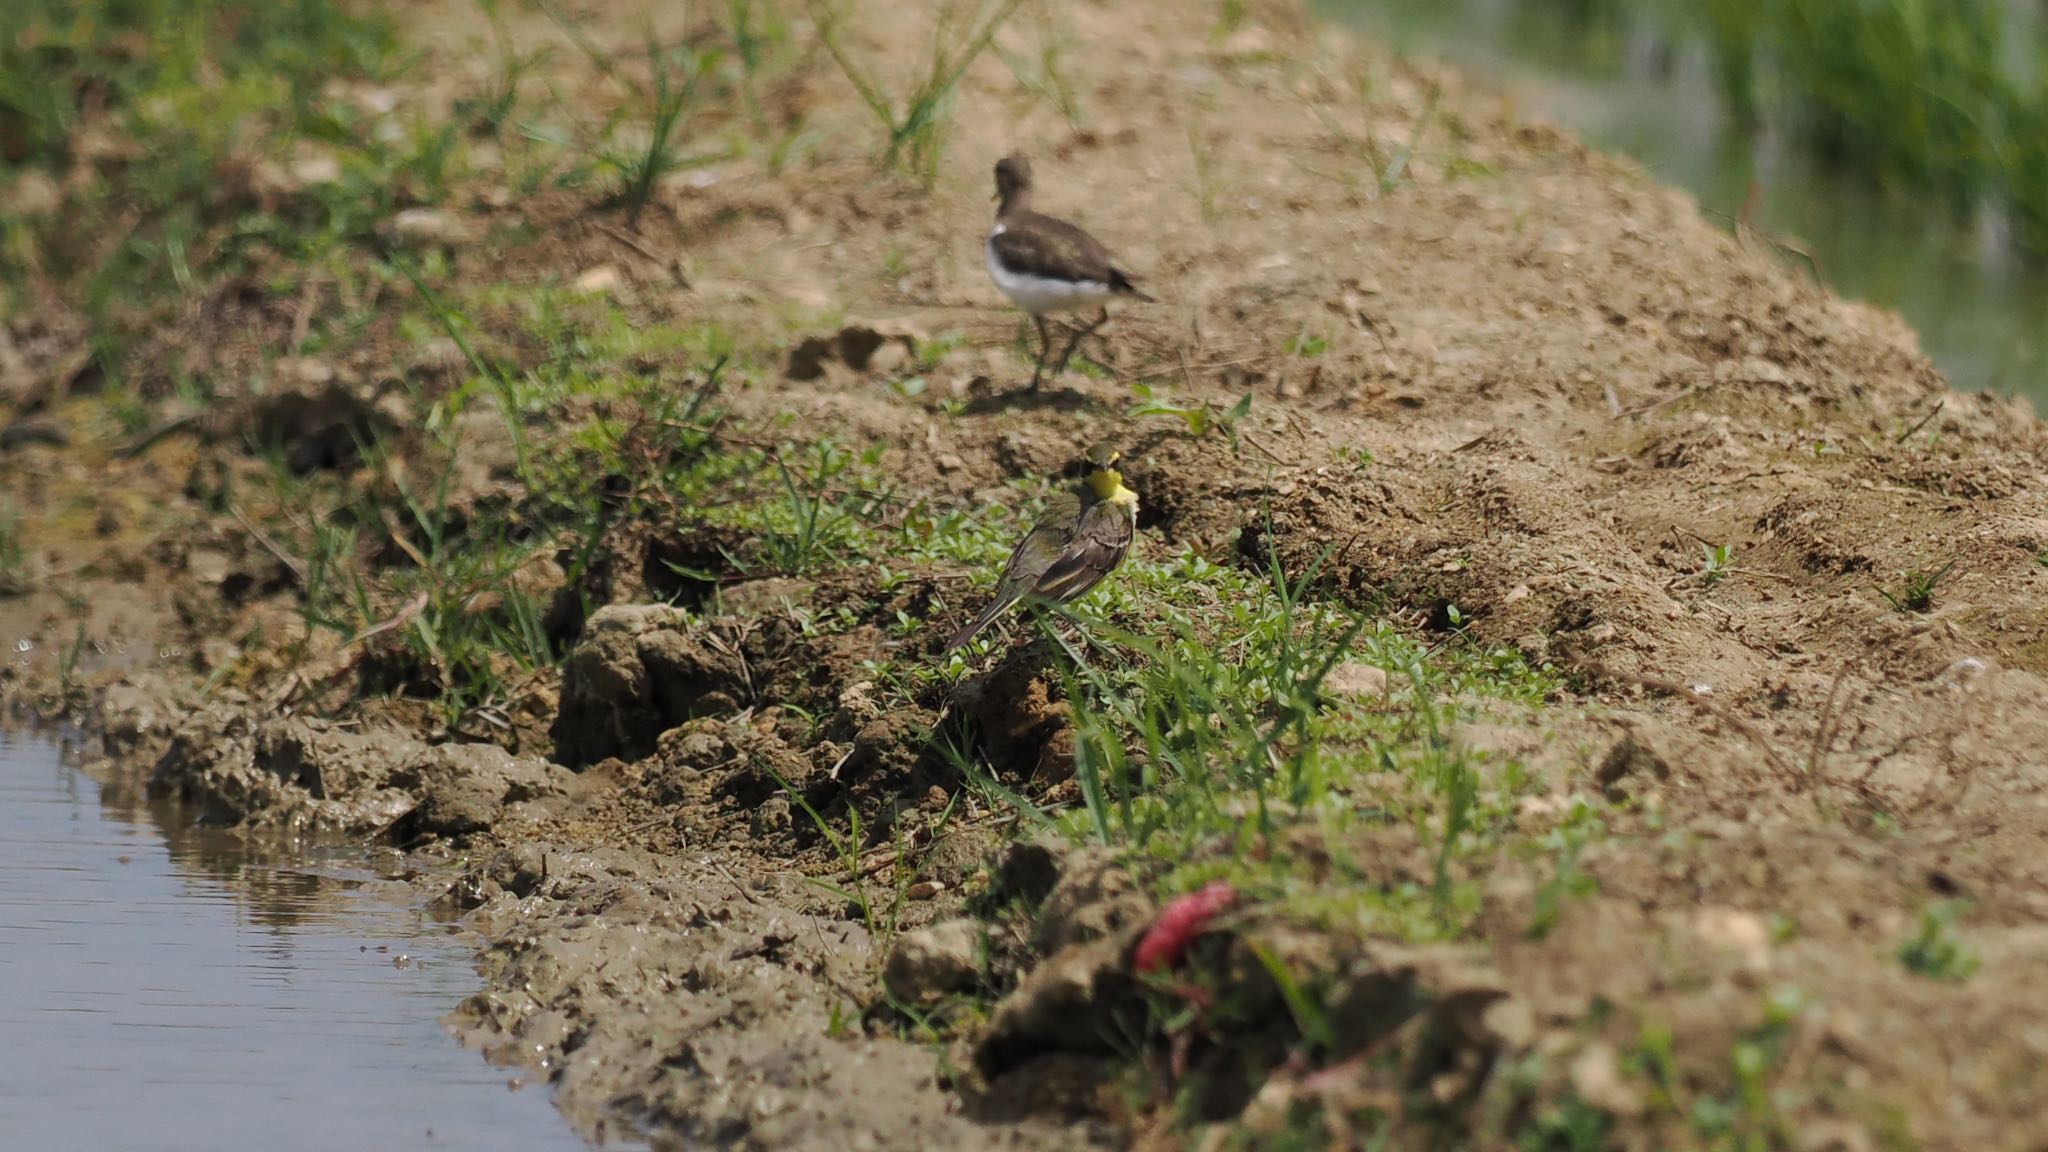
[1079, 333]
[1044, 350]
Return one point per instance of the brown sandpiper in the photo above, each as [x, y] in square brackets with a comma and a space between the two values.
[1044, 264]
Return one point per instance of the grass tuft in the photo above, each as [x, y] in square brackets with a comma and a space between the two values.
[914, 123]
[1916, 589]
[13, 553]
[676, 75]
[1935, 950]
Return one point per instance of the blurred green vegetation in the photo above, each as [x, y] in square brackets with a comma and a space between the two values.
[151, 118]
[1942, 96]
[65, 62]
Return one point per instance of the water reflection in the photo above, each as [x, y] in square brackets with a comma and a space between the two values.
[163, 988]
[1981, 314]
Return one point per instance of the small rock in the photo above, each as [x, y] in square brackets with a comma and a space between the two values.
[1027, 871]
[924, 889]
[601, 280]
[439, 354]
[315, 168]
[1096, 897]
[766, 596]
[34, 194]
[633, 619]
[929, 963]
[861, 347]
[216, 653]
[1069, 1002]
[134, 716]
[1056, 763]
[207, 566]
[301, 372]
[771, 818]
[699, 749]
[1356, 680]
[949, 463]
[426, 227]
[1596, 1077]
[1741, 935]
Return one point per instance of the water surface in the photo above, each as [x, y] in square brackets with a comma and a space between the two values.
[168, 992]
[1981, 314]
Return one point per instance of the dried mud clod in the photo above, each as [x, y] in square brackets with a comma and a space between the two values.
[1013, 711]
[645, 669]
[236, 769]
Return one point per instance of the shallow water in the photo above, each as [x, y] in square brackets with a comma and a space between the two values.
[1981, 315]
[163, 992]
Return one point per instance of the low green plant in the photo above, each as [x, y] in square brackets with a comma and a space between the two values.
[1568, 881]
[1749, 1116]
[1568, 1125]
[219, 86]
[882, 914]
[846, 849]
[1718, 558]
[1230, 16]
[914, 123]
[760, 35]
[1304, 1004]
[1204, 730]
[1393, 169]
[1936, 951]
[675, 77]
[1207, 189]
[1044, 74]
[817, 521]
[13, 553]
[474, 624]
[490, 110]
[1198, 417]
[1916, 589]
[1307, 346]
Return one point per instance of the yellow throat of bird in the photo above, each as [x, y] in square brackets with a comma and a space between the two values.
[1108, 484]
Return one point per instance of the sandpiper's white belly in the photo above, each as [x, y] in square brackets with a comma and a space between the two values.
[1039, 294]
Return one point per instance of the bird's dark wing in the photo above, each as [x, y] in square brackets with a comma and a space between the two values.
[1042, 246]
[1039, 550]
[1042, 546]
[1100, 542]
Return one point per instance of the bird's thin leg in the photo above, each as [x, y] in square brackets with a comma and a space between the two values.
[1044, 350]
[1079, 334]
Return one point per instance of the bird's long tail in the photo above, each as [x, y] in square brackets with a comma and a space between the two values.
[983, 619]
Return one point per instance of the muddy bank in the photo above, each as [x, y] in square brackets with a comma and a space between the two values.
[1516, 399]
